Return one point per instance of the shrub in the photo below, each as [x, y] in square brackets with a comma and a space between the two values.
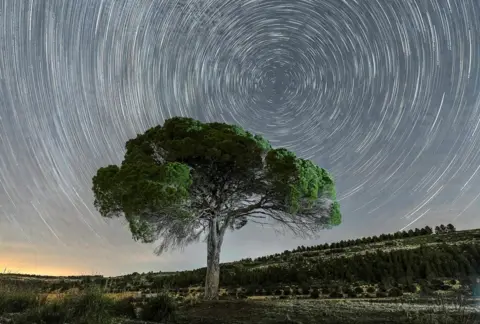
[191, 300]
[159, 308]
[287, 291]
[370, 290]
[395, 292]
[125, 308]
[350, 293]
[381, 294]
[305, 290]
[410, 288]
[89, 307]
[249, 292]
[52, 313]
[12, 301]
[315, 294]
[359, 290]
[278, 292]
[336, 294]
[444, 287]
[325, 290]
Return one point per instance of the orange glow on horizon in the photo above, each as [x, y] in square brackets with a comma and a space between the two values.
[43, 270]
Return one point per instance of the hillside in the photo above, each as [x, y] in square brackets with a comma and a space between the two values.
[384, 279]
[385, 243]
[406, 257]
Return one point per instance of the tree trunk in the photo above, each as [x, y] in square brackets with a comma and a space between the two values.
[214, 244]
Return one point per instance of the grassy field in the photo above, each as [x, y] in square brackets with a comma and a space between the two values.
[93, 306]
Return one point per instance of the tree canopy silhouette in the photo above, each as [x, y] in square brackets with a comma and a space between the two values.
[187, 178]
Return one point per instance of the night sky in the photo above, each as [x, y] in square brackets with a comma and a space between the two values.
[384, 94]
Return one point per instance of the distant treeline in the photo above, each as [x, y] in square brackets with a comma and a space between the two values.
[427, 230]
[403, 266]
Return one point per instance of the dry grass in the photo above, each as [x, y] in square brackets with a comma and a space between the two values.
[121, 295]
[23, 305]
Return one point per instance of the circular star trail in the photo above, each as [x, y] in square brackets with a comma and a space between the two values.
[384, 94]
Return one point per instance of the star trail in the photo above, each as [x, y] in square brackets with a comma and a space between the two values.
[384, 94]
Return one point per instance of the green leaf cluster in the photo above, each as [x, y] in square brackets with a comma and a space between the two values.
[299, 181]
[187, 169]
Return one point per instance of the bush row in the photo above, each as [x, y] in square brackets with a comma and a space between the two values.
[382, 290]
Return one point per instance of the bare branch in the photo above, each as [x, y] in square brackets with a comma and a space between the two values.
[259, 223]
[242, 211]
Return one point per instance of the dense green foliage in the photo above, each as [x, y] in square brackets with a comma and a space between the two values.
[176, 179]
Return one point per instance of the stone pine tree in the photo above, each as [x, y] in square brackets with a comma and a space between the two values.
[188, 180]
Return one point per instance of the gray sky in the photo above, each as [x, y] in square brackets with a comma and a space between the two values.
[384, 94]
